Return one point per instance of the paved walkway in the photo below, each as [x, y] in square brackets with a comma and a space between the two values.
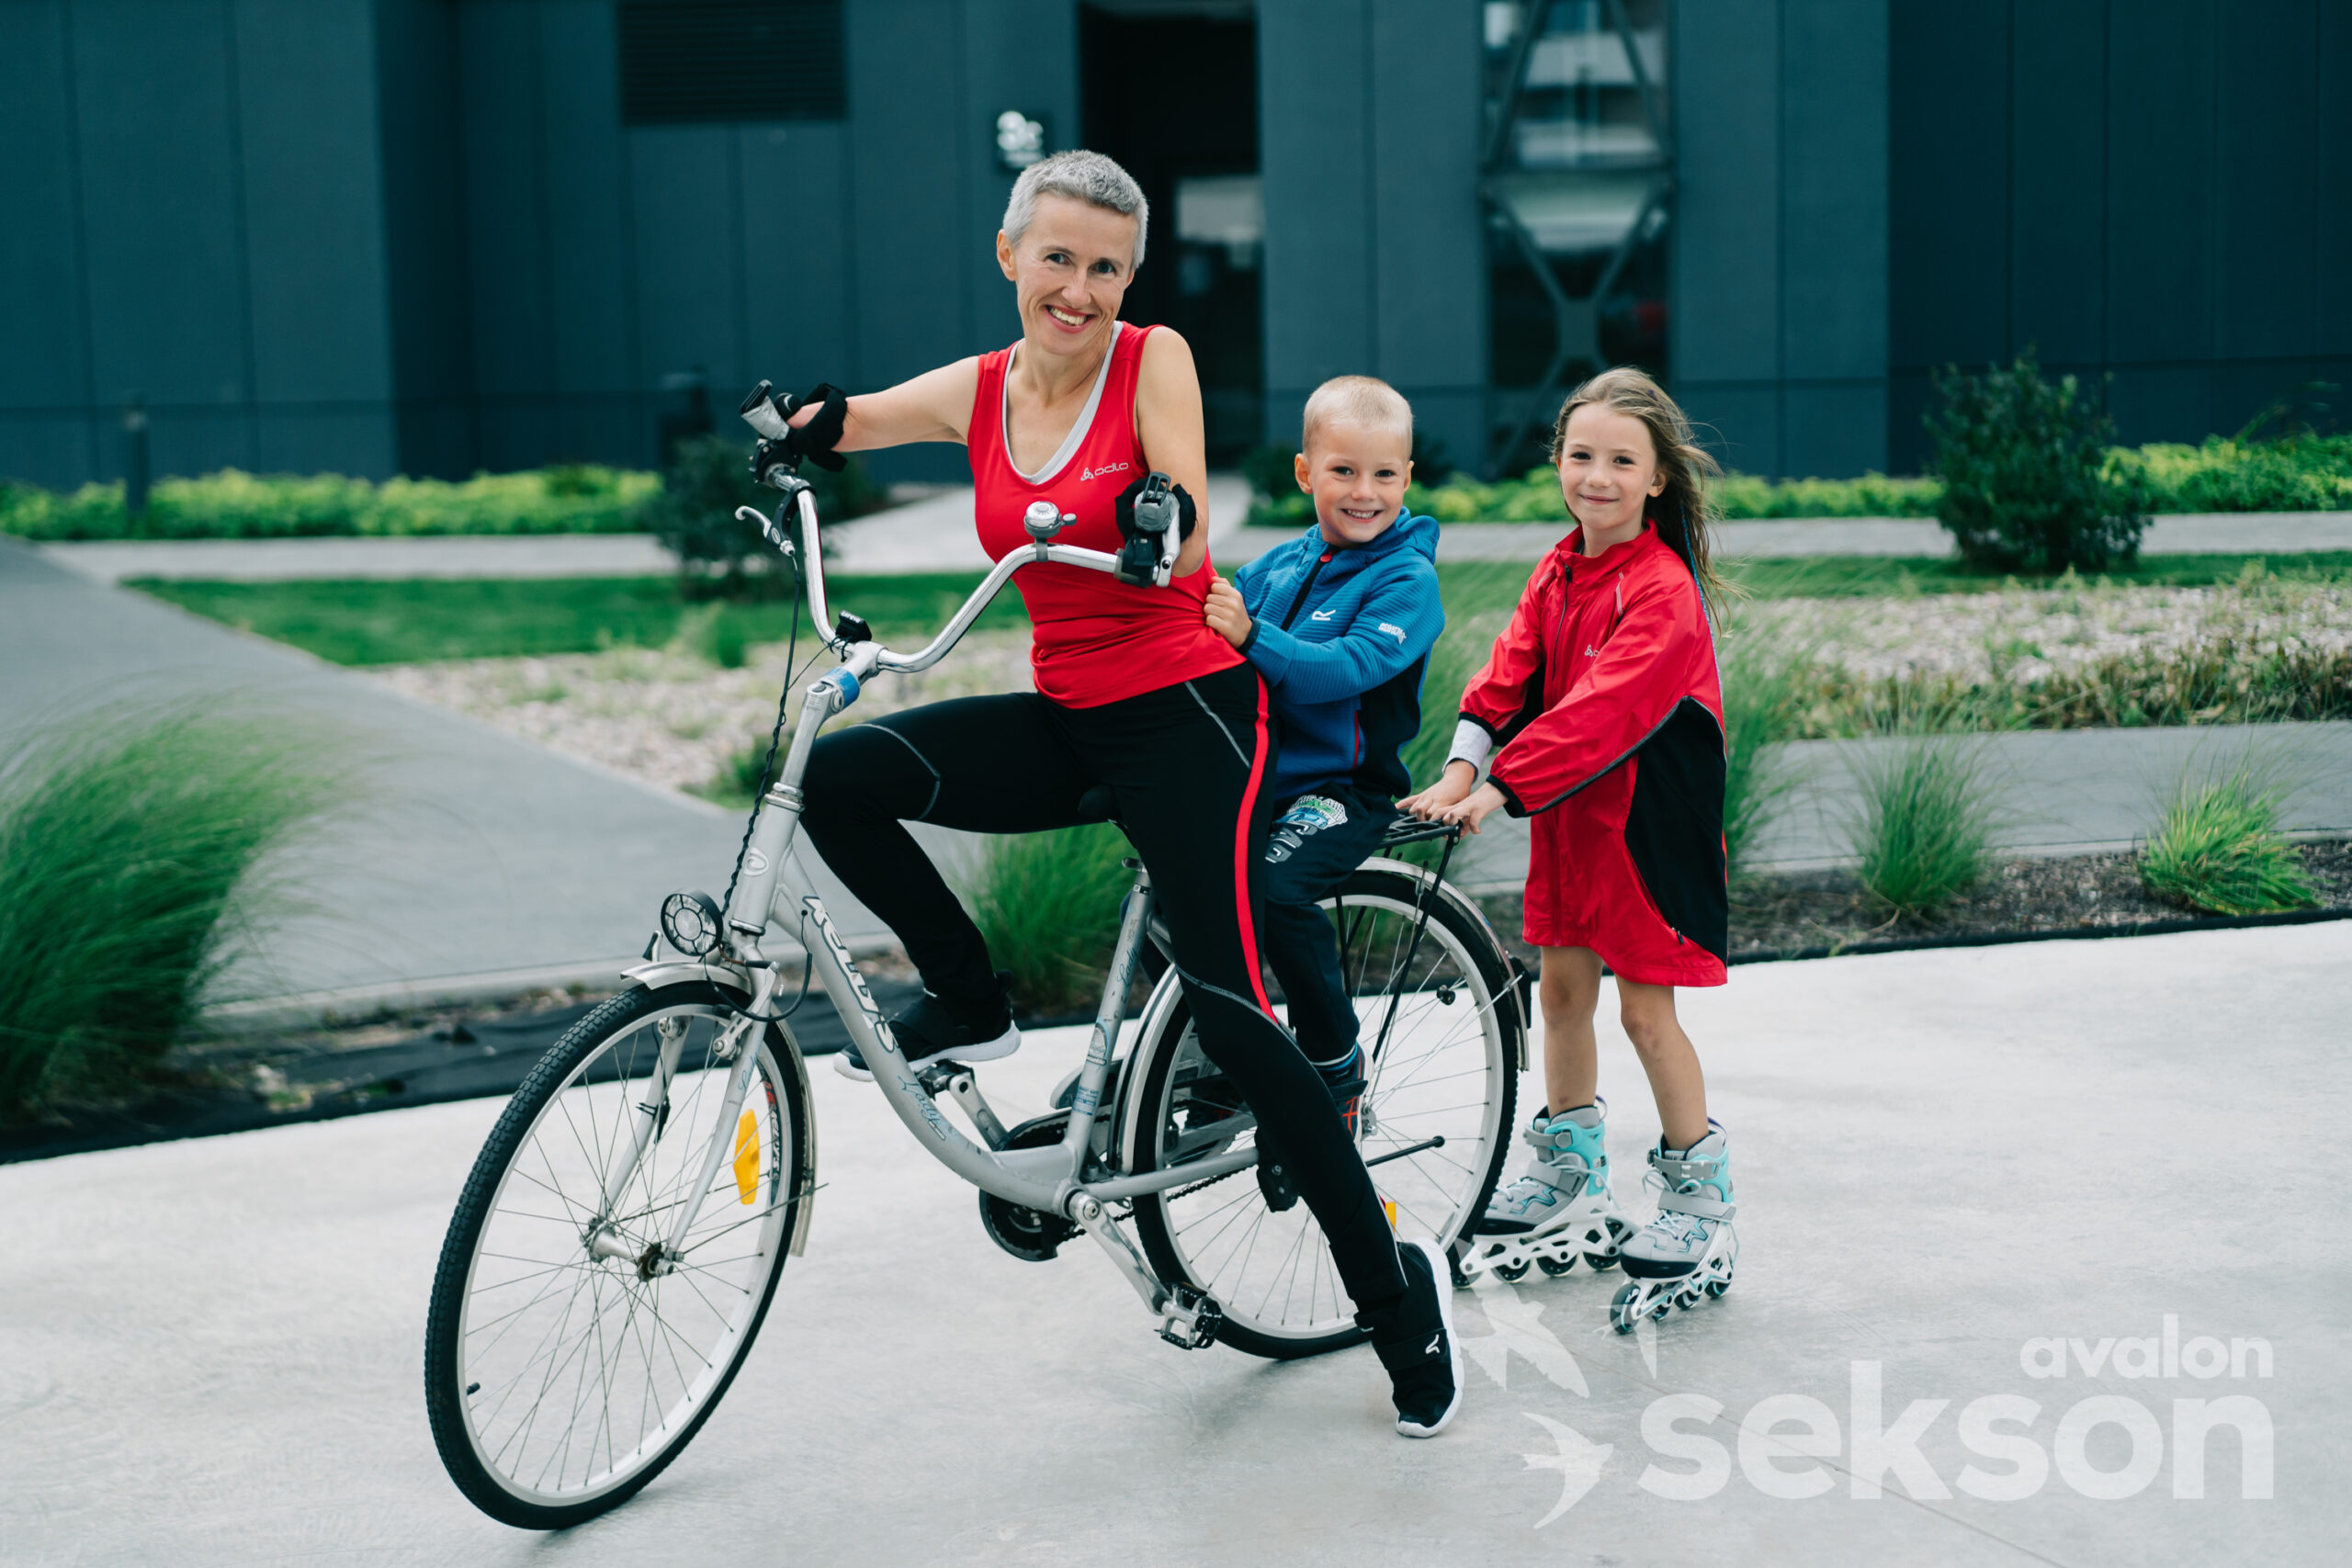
[2056, 791]
[2021, 1193]
[935, 535]
[470, 862]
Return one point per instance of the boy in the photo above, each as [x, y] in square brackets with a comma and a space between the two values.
[1340, 623]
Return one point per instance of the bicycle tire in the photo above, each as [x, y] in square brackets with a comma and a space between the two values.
[775, 1157]
[1170, 1048]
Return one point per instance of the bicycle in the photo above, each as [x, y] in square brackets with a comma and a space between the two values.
[622, 1233]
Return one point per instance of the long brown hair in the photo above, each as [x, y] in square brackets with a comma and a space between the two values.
[1683, 510]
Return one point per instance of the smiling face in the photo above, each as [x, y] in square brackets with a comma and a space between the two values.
[1608, 468]
[1357, 475]
[1070, 272]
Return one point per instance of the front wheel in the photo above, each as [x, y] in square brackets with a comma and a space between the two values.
[569, 1355]
[1441, 1031]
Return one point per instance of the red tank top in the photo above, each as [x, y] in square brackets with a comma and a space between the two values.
[1097, 639]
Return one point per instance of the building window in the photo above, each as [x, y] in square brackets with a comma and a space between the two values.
[706, 61]
[1578, 173]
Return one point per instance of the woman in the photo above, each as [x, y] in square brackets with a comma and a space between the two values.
[1134, 692]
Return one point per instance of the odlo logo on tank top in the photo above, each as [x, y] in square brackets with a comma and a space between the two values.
[1085, 474]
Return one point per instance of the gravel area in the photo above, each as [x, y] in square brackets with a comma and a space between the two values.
[2023, 635]
[670, 718]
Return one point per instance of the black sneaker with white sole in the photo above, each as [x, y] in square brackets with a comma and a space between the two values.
[935, 1026]
[1413, 1337]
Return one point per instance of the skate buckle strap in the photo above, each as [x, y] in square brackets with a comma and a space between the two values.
[1677, 1200]
[1552, 1142]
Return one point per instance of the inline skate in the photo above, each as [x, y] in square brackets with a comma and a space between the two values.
[1687, 1251]
[1560, 1211]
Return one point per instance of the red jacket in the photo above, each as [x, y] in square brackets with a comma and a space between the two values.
[1604, 697]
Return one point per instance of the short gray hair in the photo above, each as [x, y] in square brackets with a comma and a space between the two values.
[1086, 176]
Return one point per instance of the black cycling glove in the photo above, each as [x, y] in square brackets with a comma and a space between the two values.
[1124, 510]
[814, 442]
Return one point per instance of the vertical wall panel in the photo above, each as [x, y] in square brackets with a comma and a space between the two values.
[1834, 235]
[2161, 181]
[2058, 208]
[1725, 273]
[1316, 148]
[2265, 214]
[44, 372]
[688, 254]
[424, 236]
[314, 239]
[1426, 235]
[797, 259]
[909, 192]
[594, 370]
[159, 151]
[1017, 55]
[2331, 69]
[513, 329]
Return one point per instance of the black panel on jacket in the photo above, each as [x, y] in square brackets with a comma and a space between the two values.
[1674, 830]
[1387, 716]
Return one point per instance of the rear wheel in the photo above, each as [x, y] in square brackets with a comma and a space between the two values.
[1441, 1031]
[566, 1362]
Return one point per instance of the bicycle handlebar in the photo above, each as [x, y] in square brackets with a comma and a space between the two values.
[798, 495]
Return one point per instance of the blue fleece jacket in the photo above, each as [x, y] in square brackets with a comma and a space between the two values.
[1342, 637]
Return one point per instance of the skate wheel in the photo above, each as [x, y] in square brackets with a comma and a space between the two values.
[1600, 1262]
[1555, 1266]
[1511, 1272]
[1622, 1315]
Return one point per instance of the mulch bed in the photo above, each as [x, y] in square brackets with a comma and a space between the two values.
[1817, 914]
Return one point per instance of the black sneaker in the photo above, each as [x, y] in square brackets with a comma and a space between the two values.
[1413, 1337]
[933, 1026]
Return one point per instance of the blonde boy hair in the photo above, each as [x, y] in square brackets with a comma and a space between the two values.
[1366, 401]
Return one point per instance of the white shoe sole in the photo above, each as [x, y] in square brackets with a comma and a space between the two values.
[1003, 1045]
[1443, 1279]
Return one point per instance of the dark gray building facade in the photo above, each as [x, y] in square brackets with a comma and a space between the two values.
[431, 236]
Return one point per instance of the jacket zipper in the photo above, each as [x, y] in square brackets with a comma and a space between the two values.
[1299, 603]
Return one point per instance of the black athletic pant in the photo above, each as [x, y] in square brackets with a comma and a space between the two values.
[1187, 764]
[1308, 854]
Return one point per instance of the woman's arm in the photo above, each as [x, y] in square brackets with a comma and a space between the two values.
[935, 406]
[1168, 422]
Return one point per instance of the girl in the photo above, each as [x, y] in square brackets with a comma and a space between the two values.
[1603, 700]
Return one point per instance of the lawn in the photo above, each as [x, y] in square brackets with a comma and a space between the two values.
[406, 622]
[372, 622]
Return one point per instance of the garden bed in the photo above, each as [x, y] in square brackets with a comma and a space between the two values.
[1817, 914]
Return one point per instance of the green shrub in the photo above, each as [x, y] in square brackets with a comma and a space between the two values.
[2027, 485]
[231, 504]
[2218, 850]
[2300, 472]
[129, 841]
[1048, 906]
[738, 779]
[1536, 499]
[1924, 832]
[694, 516]
[711, 633]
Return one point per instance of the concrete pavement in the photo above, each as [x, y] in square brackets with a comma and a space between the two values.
[2039, 1188]
[469, 864]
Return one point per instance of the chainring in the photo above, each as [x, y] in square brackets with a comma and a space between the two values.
[1030, 1234]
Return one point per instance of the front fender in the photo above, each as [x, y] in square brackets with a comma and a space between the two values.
[735, 978]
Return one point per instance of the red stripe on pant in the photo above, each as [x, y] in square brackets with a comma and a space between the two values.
[1241, 859]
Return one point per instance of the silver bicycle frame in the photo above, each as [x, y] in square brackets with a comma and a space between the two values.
[773, 889]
